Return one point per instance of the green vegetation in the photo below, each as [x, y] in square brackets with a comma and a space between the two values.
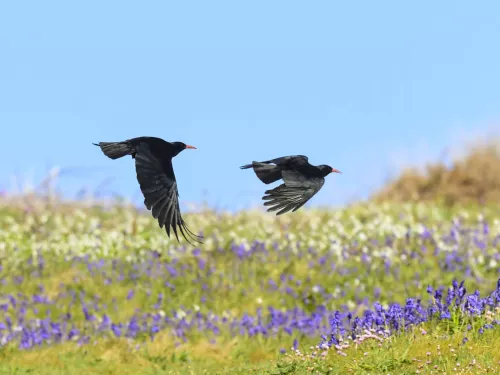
[104, 291]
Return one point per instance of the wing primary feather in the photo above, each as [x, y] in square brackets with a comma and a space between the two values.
[162, 217]
[181, 228]
[174, 222]
[194, 236]
[168, 215]
[157, 208]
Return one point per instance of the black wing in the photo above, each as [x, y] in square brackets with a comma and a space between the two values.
[289, 160]
[159, 187]
[294, 193]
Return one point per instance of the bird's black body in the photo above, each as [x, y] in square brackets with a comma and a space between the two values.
[155, 173]
[301, 181]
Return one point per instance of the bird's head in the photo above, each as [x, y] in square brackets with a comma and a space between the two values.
[180, 146]
[326, 170]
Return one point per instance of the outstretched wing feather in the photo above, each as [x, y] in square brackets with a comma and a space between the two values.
[293, 194]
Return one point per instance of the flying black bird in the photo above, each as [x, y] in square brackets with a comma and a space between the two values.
[301, 181]
[155, 173]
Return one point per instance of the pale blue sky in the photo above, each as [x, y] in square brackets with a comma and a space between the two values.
[361, 86]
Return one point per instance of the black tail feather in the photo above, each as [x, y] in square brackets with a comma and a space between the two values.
[265, 171]
[115, 150]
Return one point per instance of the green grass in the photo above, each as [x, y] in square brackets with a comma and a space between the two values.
[354, 240]
[436, 353]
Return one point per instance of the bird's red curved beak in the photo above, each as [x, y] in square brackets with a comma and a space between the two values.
[336, 170]
[188, 146]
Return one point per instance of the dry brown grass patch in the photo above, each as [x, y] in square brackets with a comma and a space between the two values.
[472, 179]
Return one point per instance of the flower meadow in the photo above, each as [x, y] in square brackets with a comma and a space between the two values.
[363, 289]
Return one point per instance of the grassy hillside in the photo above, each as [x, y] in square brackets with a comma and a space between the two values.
[89, 290]
[472, 179]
